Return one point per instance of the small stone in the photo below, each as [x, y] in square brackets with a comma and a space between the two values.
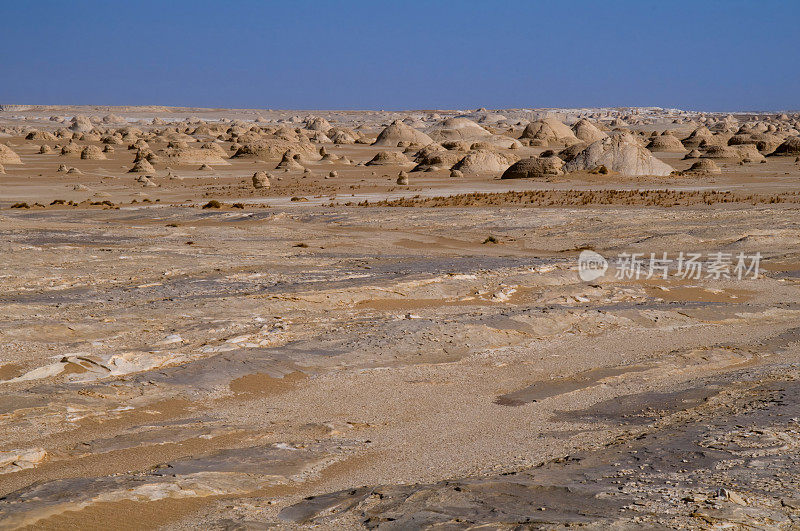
[731, 496]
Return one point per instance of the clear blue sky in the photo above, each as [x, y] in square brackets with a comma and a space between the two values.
[706, 55]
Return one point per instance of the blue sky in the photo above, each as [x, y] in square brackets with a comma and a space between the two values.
[712, 55]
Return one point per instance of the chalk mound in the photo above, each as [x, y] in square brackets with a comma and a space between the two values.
[398, 132]
[764, 142]
[8, 156]
[80, 124]
[342, 136]
[385, 158]
[142, 166]
[41, 136]
[290, 161]
[274, 148]
[329, 158]
[181, 153]
[570, 152]
[204, 130]
[586, 131]
[697, 137]
[789, 148]
[92, 153]
[620, 153]
[535, 168]
[722, 152]
[666, 143]
[718, 139]
[490, 118]
[483, 162]
[72, 148]
[113, 119]
[549, 132]
[506, 142]
[261, 180]
[458, 129]
[320, 138]
[744, 153]
[318, 124]
[705, 166]
[435, 157]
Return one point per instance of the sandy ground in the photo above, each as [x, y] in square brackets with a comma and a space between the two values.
[421, 362]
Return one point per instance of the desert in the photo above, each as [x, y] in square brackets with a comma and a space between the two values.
[227, 318]
[397, 266]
